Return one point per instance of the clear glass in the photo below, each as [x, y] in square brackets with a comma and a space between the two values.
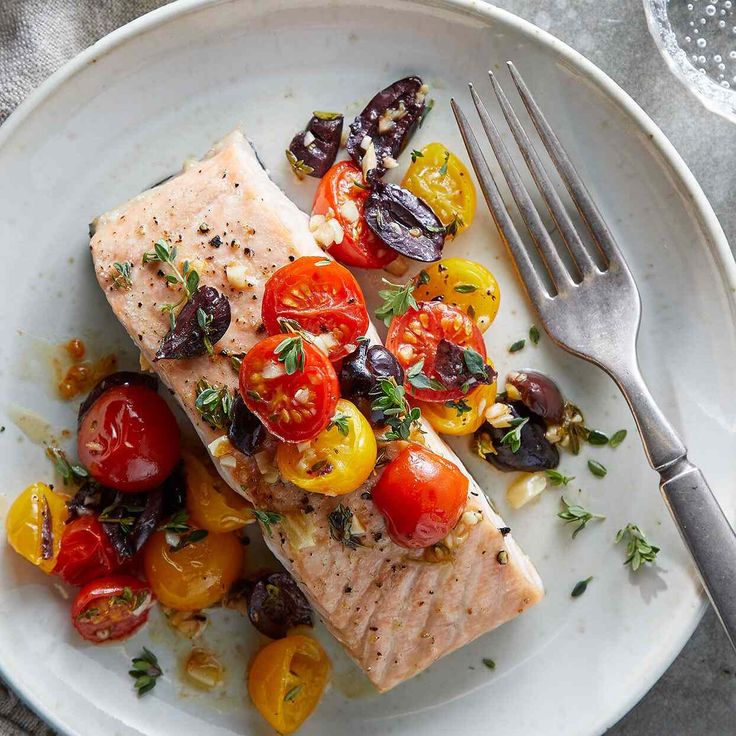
[697, 39]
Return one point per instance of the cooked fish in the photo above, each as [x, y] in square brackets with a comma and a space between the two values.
[394, 610]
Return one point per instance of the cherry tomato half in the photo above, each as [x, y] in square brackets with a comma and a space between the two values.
[85, 553]
[460, 417]
[286, 680]
[196, 575]
[340, 186]
[111, 608]
[322, 299]
[421, 496]
[295, 406]
[35, 523]
[129, 439]
[414, 337]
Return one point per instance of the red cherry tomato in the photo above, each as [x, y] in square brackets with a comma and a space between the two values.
[111, 608]
[129, 439]
[360, 246]
[322, 299]
[85, 552]
[295, 406]
[421, 496]
[415, 335]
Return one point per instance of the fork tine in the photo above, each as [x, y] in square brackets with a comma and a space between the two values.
[580, 196]
[556, 268]
[527, 272]
[574, 244]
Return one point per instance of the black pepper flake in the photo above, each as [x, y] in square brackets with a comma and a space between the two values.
[505, 530]
[292, 259]
[216, 242]
[140, 304]
[347, 589]
[373, 628]
[377, 536]
[260, 329]
[236, 185]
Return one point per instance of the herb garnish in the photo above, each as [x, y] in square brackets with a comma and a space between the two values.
[298, 165]
[638, 549]
[572, 513]
[341, 523]
[342, 422]
[146, 670]
[475, 364]
[398, 299]
[598, 470]
[418, 379]
[391, 403]
[518, 345]
[204, 321]
[187, 278]
[597, 438]
[324, 262]
[461, 407]
[534, 334]
[236, 359]
[290, 696]
[267, 518]
[465, 288]
[290, 352]
[573, 429]
[489, 663]
[580, 587]
[443, 168]
[415, 155]
[126, 519]
[512, 438]
[122, 279]
[69, 473]
[214, 404]
[178, 523]
[192, 537]
[427, 109]
[558, 479]
[454, 225]
[617, 438]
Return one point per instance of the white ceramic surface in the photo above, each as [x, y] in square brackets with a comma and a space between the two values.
[125, 113]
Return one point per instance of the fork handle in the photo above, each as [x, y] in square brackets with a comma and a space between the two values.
[699, 518]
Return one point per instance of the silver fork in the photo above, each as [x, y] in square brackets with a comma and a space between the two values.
[594, 311]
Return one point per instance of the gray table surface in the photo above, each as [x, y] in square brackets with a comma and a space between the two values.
[697, 695]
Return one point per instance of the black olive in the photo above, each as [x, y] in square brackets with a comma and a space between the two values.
[539, 394]
[246, 433]
[202, 321]
[316, 157]
[121, 378]
[455, 370]
[129, 538]
[363, 369]
[404, 222]
[275, 605]
[536, 451]
[388, 120]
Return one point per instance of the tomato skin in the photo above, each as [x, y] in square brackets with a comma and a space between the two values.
[450, 194]
[421, 496]
[196, 576]
[446, 420]
[323, 299]
[129, 439]
[415, 336]
[104, 611]
[296, 664]
[351, 457]
[273, 395]
[24, 525]
[452, 279]
[360, 247]
[85, 553]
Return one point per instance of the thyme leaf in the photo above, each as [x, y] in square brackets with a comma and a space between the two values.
[68, 472]
[290, 352]
[123, 278]
[214, 404]
[518, 345]
[512, 438]
[415, 155]
[342, 422]
[574, 514]
[639, 550]
[580, 587]
[340, 520]
[145, 671]
[558, 479]
[534, 334]
[598, 470]
[443, 168]
[392, 405]
[617, 438]
[267, 518]
[461, 407]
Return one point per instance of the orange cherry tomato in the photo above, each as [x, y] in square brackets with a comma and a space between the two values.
[421, 496]
[290, 385]
[323, 298]
[360, 247]
[195, 576]
[286, 681]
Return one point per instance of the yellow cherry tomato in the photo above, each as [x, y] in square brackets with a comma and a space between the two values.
[338, 460]
[287, 679]
[211, 503]
[462, 417]
[38, 507]
[443, 182]
[464, 284]
[195, 576]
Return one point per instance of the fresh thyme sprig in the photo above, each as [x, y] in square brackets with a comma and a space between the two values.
[638, 549]
[290, 352]
[461, 407]
[418, 379]
[415, 155]
[574, 514]
[443, 168]
[342, 422]
[512, 438]
[398, 299]
[214, 404]
[187, 278]
[126, 520]
[123, 278]
[391, 403]
[558, 479]
[145, 671]
[267, 518]
[178, 523]
[69, 472]
[341, 523]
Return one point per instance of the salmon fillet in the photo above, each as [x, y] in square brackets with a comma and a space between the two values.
[396, 611]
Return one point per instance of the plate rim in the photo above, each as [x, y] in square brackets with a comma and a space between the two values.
[714, 236]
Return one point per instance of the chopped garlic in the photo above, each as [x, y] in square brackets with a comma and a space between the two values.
[389, 162]
[525, 488]
[315, 221]
[308, 138]
[385, 124]
[370, 160]
[264, 461]
[302, 395]
[337, 231]
[204, 669]
[499, 416]
[229, 461]
[471, 518]
[220, 446]
[237, 275]
[273, 370]
[324, 235]
[366, 142]
[325, 342]
[190, 624]
[349, 211]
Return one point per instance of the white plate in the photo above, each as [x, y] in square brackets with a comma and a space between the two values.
[125, 113]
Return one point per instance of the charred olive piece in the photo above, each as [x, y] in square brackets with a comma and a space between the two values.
[456, 370]
[387, 123]
[276, 604]
[246, 433]
[134, 517]
[363, 369]
[313, 150]
[538, 393]
[121, 378]
[200, 324]
[536, 451]
[404, 222]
